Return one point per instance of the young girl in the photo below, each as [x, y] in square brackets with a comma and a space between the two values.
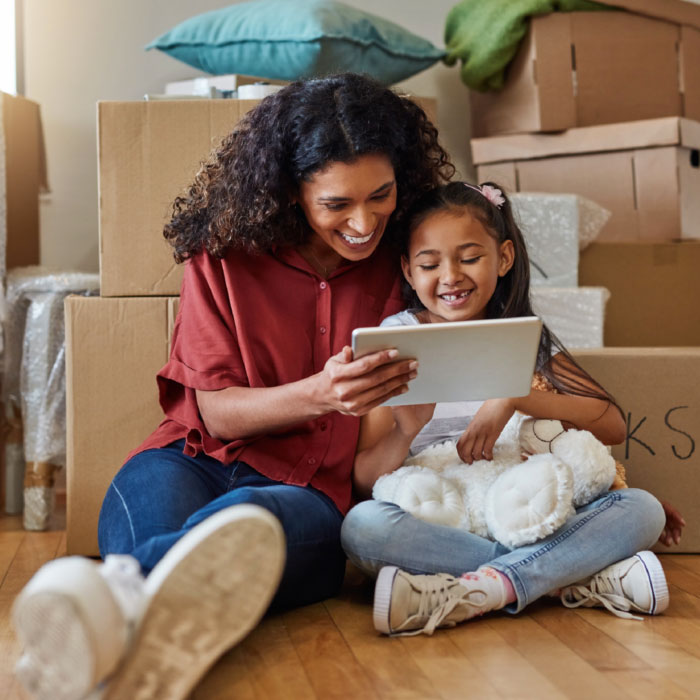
[465, 259]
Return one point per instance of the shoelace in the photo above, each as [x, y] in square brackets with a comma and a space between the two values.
[601, 589]
[437, 602]
[124, 578]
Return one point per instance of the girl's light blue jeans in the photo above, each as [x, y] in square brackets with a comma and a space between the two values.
[611, 528]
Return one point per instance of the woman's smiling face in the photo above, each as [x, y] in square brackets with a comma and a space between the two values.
[347, 206]
[454, 264]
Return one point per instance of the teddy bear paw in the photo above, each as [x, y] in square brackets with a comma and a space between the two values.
[529, 501]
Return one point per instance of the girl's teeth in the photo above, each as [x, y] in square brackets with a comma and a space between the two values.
[357, 240]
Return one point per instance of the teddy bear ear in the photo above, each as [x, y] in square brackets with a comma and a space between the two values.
[537, 434]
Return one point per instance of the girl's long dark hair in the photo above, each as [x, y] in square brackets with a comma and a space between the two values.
[512, 295]
[242, 197]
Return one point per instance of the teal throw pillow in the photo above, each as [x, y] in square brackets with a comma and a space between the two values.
[291, 39]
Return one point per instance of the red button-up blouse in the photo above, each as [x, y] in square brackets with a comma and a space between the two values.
[262, 321]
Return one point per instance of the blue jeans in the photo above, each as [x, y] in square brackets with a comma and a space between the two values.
[609, 529]
[160, 494]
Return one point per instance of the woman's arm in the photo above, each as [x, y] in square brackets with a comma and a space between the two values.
[352, 387]
[385, 437]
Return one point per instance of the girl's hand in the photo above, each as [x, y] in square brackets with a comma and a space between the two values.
[478, 439]
[411, 419]
[674, 525]
[355, 387]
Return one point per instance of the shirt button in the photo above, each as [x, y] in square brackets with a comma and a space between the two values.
[311, 460]
[323, 426]
[323, 285]
[322, 329]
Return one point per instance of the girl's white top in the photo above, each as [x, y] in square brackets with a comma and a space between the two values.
[450, 420]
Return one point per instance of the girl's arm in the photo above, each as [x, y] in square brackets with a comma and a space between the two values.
[386, 435]
[352, 387]
[598, 416]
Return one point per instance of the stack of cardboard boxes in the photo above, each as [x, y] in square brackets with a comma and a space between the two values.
[149, 153]
[606, 105]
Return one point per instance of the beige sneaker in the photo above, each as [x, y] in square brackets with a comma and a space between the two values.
[80, 622]
[74, 620]
[637, 583]
[409, 604]
[207, 593]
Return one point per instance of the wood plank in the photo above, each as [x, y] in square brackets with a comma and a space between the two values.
[565, 669]
[450, 672]
[690, 562]
[330, 665]
[648, 684]
[390, 669]
[644, 639]
[33, 550]
[265, 666]
[680, 570]
[486, 649]
[587, 641]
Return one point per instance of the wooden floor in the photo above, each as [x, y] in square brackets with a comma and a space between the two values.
[330, 650]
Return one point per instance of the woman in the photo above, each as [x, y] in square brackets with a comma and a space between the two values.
[286, 234]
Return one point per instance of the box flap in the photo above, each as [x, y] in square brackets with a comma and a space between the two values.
[679, 11]
[667, 131]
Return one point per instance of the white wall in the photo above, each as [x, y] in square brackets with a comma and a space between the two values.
[80, 51]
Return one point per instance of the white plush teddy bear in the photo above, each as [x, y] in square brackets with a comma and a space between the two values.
[507, 499]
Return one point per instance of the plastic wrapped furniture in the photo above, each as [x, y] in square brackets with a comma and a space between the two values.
[33, 382]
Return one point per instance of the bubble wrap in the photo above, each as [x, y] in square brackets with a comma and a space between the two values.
[39, 504]
[14, 477]
[33, 381]
[556, 227]
[576, 315]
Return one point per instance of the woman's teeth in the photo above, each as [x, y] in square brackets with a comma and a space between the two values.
[357, 240]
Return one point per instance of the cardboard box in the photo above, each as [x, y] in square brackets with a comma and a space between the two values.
[114, 349]
[646, 173]
[205, 85]
[584, 68]
[22, 178]
[655, 288]
[149, 153]
[659, 391]
[679, 11]
[576, 315]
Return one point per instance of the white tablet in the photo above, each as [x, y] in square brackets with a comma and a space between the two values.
[460, 361]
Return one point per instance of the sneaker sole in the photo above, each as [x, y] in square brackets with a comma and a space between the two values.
[209, 590]
[382, 598]
[657, 579]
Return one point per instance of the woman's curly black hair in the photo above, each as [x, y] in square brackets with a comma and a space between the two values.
[242, 197]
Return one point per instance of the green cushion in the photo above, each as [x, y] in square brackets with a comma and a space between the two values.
[291, 39]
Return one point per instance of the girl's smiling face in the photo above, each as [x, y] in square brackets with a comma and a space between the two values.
[347, 206]
[454, 264]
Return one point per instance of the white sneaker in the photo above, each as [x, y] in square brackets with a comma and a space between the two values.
[409, 604]
[209, 590]
[74, 620]
[637, 583]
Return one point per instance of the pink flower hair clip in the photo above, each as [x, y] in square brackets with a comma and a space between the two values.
[493, 194]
